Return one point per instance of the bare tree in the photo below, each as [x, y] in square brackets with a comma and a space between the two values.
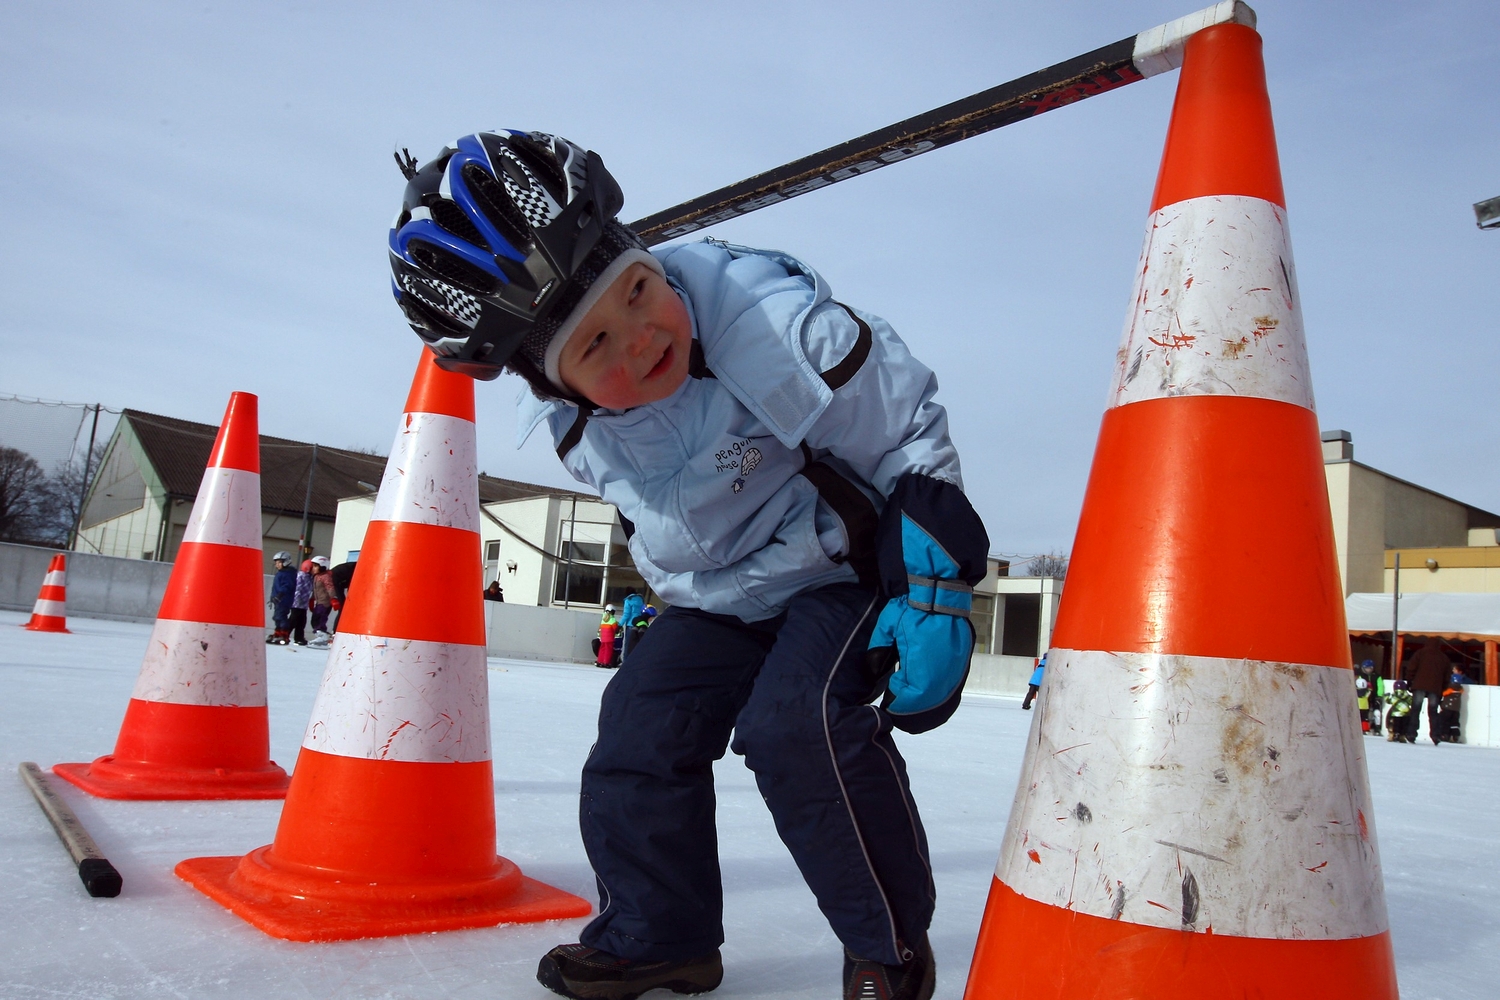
[65, 488]
[1053, 564]
[23, 497]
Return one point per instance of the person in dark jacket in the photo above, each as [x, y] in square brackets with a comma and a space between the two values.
[280, 602]
[494, 592]
[1449, 729]
[1426, 673]
[343, 575]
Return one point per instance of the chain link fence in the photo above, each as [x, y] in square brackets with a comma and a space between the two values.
[48, 451]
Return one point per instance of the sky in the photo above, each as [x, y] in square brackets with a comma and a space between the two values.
[198, 196]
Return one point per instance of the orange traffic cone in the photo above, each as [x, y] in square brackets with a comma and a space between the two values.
[1193, 815]
[196, 725]
[389, 826]
[50, 612]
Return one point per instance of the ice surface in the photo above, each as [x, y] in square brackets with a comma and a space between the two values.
[62, 698]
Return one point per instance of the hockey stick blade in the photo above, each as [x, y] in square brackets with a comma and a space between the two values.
[99, 876]
[1126, 61]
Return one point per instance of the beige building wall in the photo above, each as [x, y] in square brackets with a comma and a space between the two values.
[1374, 513]
[1468, 569]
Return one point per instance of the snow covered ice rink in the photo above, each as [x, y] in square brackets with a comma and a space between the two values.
[62, 698]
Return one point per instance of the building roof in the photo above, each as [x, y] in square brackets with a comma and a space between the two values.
[1478, 517]
[178, 450]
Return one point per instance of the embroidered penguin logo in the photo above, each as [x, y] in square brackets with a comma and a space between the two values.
[749, 461]
[737, 485]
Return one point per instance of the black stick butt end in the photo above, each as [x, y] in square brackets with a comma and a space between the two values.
[99, 877]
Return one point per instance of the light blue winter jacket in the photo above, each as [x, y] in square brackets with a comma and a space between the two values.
[709, 476]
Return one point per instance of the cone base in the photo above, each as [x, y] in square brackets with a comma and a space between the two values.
[1032, 951]
[47, 624]
[298, 903]
[108, 778]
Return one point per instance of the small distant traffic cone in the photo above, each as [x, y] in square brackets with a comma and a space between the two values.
[50, 612]
[196, 726]
[1193, 815]
[389, 826]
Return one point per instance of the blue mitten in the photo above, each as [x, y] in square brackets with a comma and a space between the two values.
[932, 550]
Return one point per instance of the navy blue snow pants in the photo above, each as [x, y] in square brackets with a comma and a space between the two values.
[791, 689]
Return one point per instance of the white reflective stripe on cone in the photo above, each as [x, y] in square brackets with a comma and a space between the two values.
[55, 578]
[1215, 311]
[402, 699]
[202, 663]
[52, 609]
[432, 474]
[1198, 793]
[227, 511]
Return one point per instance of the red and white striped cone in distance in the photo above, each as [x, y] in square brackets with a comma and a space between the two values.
[50, 611]
[196, 726]
[1193, 815]
[389, 826]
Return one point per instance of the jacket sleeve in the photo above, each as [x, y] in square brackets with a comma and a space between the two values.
[883, 421]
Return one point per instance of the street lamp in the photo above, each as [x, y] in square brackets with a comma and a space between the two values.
[1487, 213]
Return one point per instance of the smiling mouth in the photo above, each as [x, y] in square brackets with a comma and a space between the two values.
[664, 365]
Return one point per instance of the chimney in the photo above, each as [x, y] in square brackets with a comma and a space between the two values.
[1338, 446]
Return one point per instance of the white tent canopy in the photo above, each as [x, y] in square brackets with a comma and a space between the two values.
[1468, 616]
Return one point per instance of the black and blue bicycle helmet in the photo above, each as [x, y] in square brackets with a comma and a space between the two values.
[497, 239]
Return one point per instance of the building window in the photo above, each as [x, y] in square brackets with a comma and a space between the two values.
[982, 615]
[594, 572]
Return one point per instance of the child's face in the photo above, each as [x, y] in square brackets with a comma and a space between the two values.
[632, 347]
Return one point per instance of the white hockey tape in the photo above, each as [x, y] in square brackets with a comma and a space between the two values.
[402, 699]
[432, 474]
[1159, 49]
[1215, 309]
[1199, 794]
[50, 609]
[202, 663]
[227, 511]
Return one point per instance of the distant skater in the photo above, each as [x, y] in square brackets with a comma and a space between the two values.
[1035, 684]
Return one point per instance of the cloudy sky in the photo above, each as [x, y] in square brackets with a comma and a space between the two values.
[198, 194]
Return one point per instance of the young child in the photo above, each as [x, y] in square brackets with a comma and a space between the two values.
[788, 485]
[1451, 707]
[1399, 717]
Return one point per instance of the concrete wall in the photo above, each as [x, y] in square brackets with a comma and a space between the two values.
[98, 586]
[524, 632]
[1006, 675]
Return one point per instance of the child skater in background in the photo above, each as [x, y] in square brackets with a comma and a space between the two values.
[787, 482]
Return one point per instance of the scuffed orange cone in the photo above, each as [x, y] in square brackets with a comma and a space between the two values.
[196, 726]
[389, 826]
[1193, 815]
[50, 612]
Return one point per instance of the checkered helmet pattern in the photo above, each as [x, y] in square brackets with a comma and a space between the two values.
[452, 302]
[531, 198]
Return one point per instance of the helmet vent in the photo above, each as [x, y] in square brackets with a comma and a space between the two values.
[543, 162]
[452, 218]
[496, 205]
[452, 269]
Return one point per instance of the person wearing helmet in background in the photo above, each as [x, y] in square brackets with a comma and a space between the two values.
[283, 587]
[1400, 723]
[787, 484]
[301, 600]
[321, 604]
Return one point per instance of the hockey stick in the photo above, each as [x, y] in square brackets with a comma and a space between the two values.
[1126, 61]
[99, 876]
